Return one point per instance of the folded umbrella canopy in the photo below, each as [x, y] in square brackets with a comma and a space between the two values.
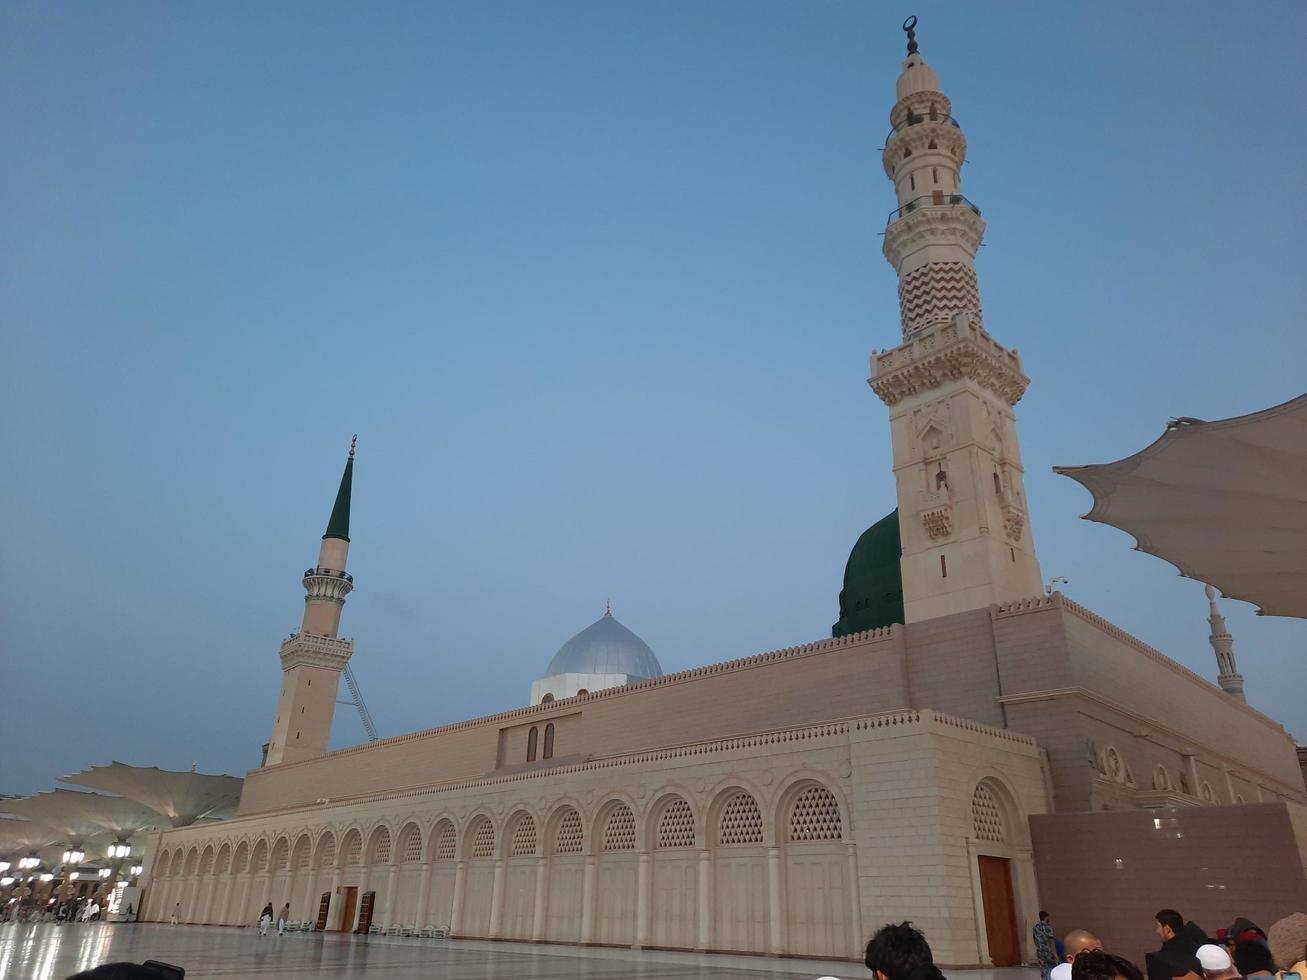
[1224, 502]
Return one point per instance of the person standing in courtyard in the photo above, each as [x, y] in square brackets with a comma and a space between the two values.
[281, 919]
[265, 920]
[1045, 950]
[176, 911]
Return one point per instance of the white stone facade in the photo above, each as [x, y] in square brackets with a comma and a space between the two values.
[799, 841]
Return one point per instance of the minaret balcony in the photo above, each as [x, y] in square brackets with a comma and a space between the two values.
[328, 583]
[938, 199]
[917, 118]
[310, 650]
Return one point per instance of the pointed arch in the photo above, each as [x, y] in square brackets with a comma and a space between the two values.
[240, 862]
[444, 841]
[409, 850]
[192, 860]
[302, 854]
[351, 848]
[324, 854]
[206, 860]
[280, 855]
[161, 868]
[479, 838]
[565, 831]
[379, 846]
[259, 856]
[223, 864]
[521, 838]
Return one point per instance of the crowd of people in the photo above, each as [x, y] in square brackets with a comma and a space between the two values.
[900, 952]
[1186, 953]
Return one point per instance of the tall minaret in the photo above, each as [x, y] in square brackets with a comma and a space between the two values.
[313, 658]
[950, 387]
[1222, 642]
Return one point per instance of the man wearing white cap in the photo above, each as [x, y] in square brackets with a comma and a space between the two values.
[1216, 963]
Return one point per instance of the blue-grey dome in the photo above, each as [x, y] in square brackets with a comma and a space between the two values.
[605, 647]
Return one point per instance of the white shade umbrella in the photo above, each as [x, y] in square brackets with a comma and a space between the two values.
[1224, 502]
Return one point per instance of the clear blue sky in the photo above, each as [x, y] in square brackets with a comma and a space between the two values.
[596, 283]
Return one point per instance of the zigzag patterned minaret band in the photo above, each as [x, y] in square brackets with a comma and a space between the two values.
[932, 238]
[950, 387]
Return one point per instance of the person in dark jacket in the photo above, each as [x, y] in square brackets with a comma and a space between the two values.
[1177, 956]
[900, 952]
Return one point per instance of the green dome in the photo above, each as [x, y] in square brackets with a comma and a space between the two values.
[873, 582]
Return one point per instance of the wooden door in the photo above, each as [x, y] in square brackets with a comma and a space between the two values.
[349, 899]
[1000, 911]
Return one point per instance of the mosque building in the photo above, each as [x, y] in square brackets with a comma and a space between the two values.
[914, 765]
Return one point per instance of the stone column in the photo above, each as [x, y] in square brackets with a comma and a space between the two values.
[855, 892]
[424, 896]
[365, 881]
[538, 910]
[776, 922]
[705, 900]
[497, 899]
[310, 910]
[242, 903]
[392, 886]
[588, 900]
[212, 913]
[460, 888]
[643, 882]
[334, 890]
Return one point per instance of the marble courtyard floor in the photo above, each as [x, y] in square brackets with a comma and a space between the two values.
[50, 952]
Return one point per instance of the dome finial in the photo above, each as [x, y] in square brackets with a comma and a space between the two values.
[910, 27]
[352, 443]
[608, 607]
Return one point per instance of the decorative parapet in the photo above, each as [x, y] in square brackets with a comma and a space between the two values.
[1019, 607]
[310, 650]
[536, 710]
[922, 720]
[946, 352]
[1057, 600]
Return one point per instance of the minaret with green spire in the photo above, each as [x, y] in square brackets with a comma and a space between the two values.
[312, 659]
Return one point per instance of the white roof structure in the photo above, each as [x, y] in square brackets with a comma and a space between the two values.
[181, 797]
[1224, 502]
[81, 817]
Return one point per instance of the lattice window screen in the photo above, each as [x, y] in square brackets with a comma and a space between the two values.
[224, 861]
[483, 841]
[412, 850]
[300, 856]
[260, 862]
[619, 831]
[815, 816]
[524, 837]
[327, 852]
[986, 817]
[242, 860]
[206, 862]
[569, 836]
[676, 829]
[381, 853]
[353, 848]
[741, 821]
[446, 843]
